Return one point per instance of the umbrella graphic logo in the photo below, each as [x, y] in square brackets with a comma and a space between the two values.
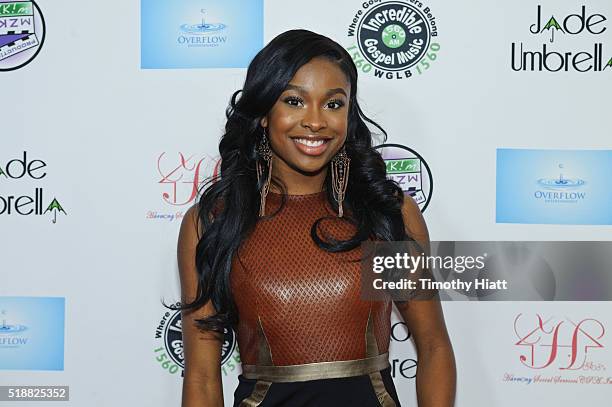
[55, 207]
[552, 25]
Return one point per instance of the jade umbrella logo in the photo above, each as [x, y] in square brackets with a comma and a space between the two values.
[583, 22]
[552, 45]
[394, 38]
[55, 207]
[552, 25]
[22, 33]
[24, 170]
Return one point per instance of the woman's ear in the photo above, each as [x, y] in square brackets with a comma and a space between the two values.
[264, 121]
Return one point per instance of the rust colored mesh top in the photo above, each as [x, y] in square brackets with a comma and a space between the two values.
[298, 303]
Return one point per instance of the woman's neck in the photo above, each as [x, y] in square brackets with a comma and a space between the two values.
[296, 182]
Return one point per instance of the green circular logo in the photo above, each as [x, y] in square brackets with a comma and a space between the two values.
[393, 36]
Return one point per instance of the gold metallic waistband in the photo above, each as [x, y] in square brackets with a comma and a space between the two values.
[316, 371]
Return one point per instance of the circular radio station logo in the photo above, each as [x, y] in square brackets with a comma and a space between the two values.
[393, 37]
[170, 351]
[384, 41]
[410, 171]
[22, 33]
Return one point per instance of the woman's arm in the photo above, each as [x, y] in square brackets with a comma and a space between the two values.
[202, 385]
[436, 372]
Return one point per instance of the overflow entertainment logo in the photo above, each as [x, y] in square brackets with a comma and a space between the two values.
[570, 187]
[561, 189]
[203, 33]
[557, 42]
[32, 204]
[393, 39]
[32, 333]
[22, 33]
[190, 34]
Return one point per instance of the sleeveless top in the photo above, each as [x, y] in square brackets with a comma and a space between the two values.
[298, 303]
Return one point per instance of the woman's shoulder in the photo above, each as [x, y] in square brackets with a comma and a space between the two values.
[191, 227]
[193, 215]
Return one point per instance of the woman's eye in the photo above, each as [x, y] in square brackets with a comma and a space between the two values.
[335, 104]
[293, 101]
[296, 101]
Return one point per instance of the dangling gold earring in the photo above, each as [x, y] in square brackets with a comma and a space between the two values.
[265, 154]
[340, 165]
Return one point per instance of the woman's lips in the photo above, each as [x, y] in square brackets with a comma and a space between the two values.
[311, 147]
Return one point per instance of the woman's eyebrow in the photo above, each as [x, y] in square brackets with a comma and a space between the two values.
[302, 90]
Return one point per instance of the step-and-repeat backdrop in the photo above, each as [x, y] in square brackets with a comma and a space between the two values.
[110, 115]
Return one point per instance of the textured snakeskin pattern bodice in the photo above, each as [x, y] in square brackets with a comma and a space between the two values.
[298, 303]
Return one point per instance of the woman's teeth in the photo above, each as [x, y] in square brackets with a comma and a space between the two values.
[310, 143]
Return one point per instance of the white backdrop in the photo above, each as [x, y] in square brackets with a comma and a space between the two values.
[101, 123]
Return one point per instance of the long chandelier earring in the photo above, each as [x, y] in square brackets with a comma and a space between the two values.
[265, 155]
[340, 165]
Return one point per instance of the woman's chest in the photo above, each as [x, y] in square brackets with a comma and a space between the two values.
[284, 269]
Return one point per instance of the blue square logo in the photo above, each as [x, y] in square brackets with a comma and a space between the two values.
[32, 333]
[571, 187]
[200, 34]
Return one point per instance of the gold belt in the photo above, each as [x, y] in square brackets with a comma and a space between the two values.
[318, 370]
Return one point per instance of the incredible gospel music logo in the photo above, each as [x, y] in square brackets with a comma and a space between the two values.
[169, 353]
[393, 39]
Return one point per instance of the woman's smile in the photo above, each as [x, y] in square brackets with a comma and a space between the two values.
[311, 145]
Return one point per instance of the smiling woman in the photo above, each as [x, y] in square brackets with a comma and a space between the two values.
[285, 278]
[307, 125]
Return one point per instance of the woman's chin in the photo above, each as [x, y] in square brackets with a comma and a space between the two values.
[310, 167]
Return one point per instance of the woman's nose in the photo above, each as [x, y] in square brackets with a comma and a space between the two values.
[314, 120]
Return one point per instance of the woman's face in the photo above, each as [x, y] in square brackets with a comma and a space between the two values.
[308, 123]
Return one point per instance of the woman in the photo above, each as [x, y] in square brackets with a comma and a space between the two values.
[268, 250]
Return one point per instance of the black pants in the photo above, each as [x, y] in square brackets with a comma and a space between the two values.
[354, 391]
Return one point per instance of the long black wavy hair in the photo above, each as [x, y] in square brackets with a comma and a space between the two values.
[228, 209]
